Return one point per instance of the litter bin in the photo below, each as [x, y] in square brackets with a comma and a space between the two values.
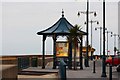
[34, 62]
[23, 62]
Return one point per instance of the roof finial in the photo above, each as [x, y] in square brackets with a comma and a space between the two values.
[62, 13]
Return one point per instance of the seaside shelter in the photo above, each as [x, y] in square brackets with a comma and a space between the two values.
[60, 28]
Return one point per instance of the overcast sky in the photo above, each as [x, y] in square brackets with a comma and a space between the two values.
[22, 20]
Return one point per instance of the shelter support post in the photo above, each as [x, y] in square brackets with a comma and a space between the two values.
[54, 52]
[43, 56]
[70, 55]
[81, 58]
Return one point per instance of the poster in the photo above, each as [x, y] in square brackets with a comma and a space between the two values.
[61, 49]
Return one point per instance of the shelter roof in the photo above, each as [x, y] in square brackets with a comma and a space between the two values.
[61, 27]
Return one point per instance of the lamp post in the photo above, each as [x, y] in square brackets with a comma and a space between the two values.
[100, 28]
[115, 42]
[119, 45]
[103, 57]
[91, 34]
[87, 19]
[107, 40]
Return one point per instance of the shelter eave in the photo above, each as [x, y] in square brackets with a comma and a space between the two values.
[59, 33]
[53, 33]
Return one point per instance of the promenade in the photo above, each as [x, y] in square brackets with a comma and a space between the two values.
[85, 74]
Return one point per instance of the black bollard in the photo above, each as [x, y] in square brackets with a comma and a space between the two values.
[110, 72]
[94, 66]
[85, 62]
[112, 60]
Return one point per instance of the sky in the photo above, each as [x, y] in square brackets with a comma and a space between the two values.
[21, 20]
[119, 22]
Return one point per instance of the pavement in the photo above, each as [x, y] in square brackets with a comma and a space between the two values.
[85, 74]
[38, 77]
[43, 74]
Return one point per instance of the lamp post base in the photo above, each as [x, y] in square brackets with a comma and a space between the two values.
[81, 68]
[43, 67]
[103, 75]
[54, 67]
[86, 63]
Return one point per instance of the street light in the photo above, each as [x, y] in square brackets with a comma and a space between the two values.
[100, 28]
[115, 49]
[91, 34]
[107, 40]
[87, 20]
[85, 12]
[118, 46]
[103, 57]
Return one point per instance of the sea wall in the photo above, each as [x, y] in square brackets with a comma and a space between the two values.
[14, 59]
